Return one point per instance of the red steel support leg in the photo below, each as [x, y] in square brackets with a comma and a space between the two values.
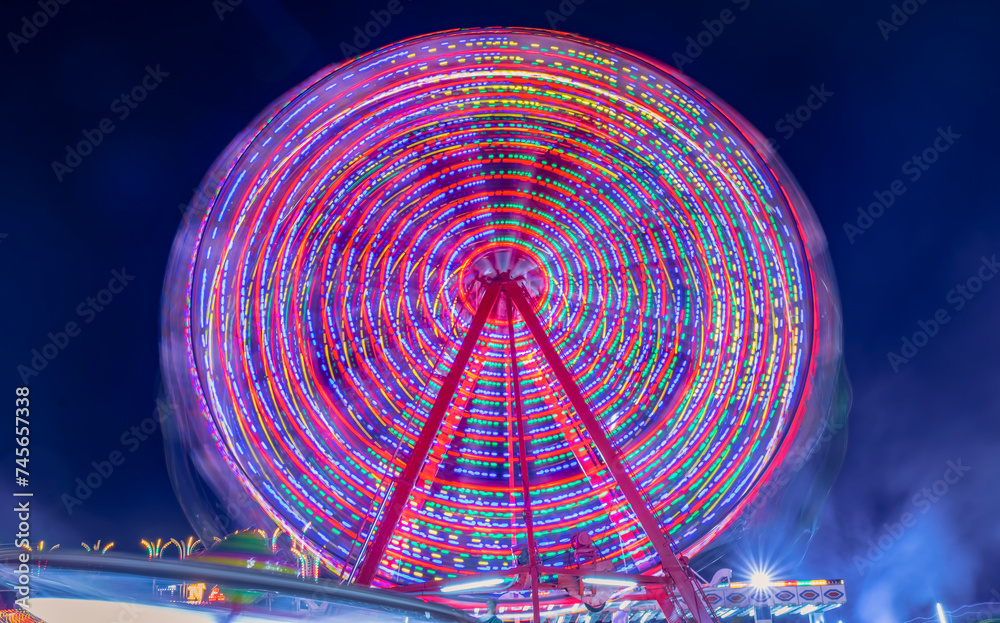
[521, 422]
[671, 566]
[666, 606]
[404, 484]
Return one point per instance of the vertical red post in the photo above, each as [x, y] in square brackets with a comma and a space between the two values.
[666, 605]
[521, 422]
[404, 484]
[671, 566]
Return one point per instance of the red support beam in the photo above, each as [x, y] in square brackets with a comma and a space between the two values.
[671, 566]
[441, 445]
[523, 460]
[404, 484]
[666, 605]
[627, 529]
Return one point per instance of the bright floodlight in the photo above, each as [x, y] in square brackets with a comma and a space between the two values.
[609, 581]
[760, 580]
[465, 586]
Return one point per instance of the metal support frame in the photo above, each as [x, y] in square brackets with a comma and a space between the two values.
[671, 566]
[523, 460]
[665, 603]
[686, 585]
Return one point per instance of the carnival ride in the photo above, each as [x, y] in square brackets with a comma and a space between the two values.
[499, 311]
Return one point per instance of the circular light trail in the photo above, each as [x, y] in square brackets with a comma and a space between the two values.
[330, 274]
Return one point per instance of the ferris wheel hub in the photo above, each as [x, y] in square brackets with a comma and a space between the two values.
[502, 265]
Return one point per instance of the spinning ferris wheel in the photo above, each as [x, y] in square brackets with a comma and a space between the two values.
[501, 303]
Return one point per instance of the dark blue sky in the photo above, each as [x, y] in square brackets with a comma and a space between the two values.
[924, 88]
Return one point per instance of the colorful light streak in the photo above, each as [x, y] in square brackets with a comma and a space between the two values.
[97, 549]
[779, 583]
[467, 586]
[330, 272]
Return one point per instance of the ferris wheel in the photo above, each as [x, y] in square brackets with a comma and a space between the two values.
[501, 303]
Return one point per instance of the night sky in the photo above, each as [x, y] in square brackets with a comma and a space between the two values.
[903, 113]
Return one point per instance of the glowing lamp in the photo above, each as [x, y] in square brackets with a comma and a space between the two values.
[466, 586]
[610, 581]
[760, 580]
